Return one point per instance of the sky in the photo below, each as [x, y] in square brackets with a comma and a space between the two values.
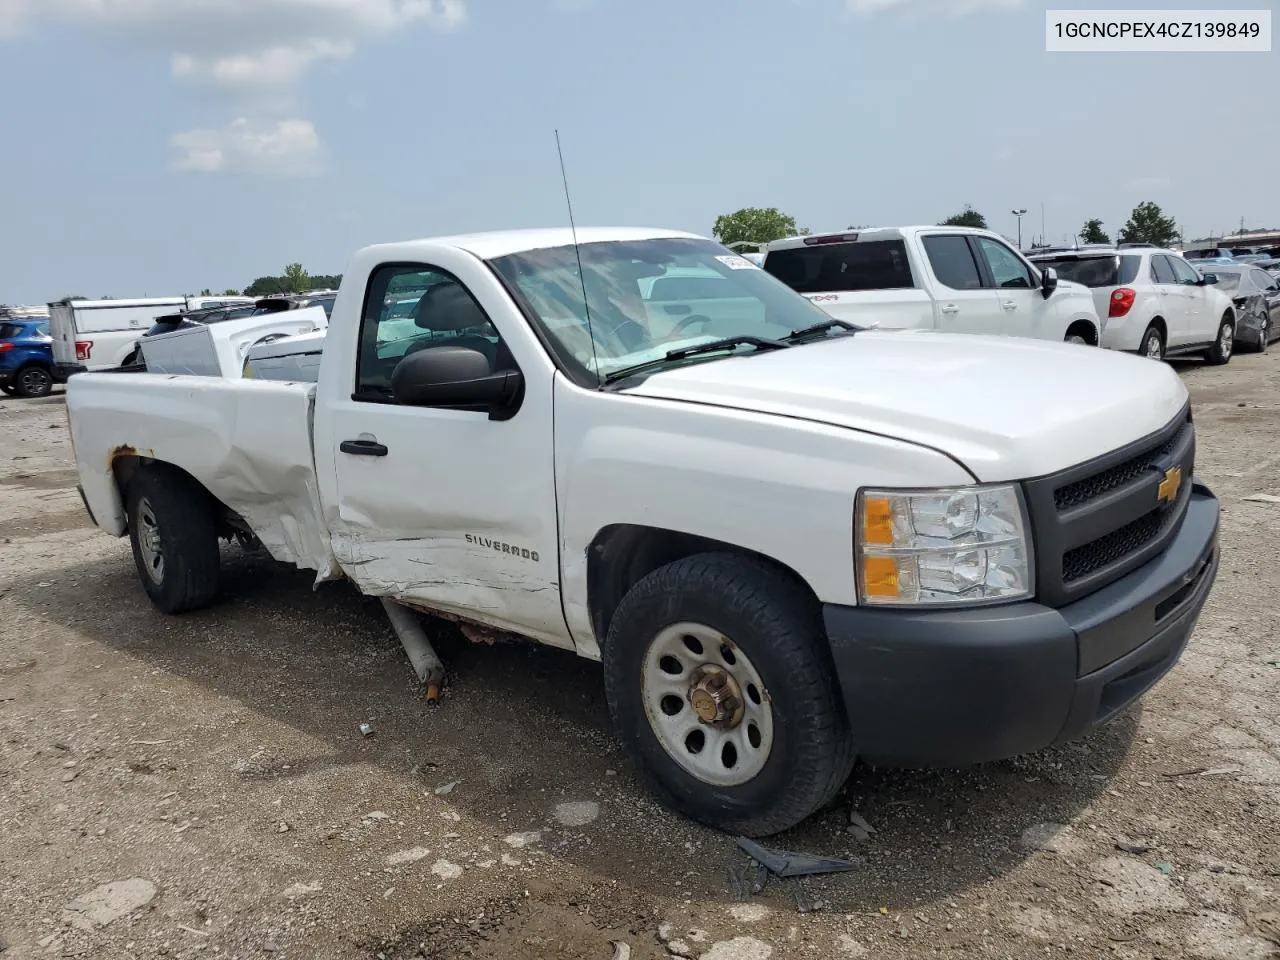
[158, 147]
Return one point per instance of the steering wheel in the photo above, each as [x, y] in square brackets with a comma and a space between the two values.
[689, 322]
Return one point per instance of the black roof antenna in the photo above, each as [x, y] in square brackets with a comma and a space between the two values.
[577, 252]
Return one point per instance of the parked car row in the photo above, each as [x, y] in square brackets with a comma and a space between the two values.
[1135, 297]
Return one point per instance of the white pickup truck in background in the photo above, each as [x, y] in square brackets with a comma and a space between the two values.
[953, 279]
[790, 542]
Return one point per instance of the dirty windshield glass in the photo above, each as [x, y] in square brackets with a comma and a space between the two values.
[647, 297]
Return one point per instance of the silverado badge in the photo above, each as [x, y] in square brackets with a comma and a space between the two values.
[1167, 492]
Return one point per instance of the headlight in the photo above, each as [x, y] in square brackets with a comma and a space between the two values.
[956, 546]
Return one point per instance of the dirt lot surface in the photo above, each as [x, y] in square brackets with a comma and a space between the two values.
[199, 786]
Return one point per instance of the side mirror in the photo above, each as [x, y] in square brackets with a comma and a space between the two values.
[1210, 279]
[456, 377]
[1048, 282]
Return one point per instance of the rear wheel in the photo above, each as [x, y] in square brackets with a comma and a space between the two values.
[1152, 343]
[33, 381]
[721, 687]
[174, 534]
[1220, 352]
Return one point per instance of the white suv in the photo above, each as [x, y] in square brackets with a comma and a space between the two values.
[1151, 301]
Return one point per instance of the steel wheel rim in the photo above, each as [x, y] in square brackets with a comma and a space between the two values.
[35, 381]
[1153, 346]
[1076, 338]
[149, 542]
[682, 661]
[1224, 340]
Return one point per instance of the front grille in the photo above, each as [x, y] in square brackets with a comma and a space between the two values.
[1082, 561]
[1096, 522]
[1082, 491]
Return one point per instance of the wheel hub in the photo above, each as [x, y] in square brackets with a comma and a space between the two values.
[716, 697]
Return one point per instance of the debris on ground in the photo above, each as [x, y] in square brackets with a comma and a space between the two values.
[367, 729]
[1261, 498]
[109, 902]
[1134, 848]
[786, 863]
[577, 814]
[621, 951]
[858, 826]
[446, 789]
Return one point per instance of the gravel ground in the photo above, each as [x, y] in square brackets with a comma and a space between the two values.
[199, 786]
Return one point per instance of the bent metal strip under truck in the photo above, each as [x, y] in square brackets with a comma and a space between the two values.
[790, 541]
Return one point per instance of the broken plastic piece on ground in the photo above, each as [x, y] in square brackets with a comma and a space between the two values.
[859, 827]
[366, 729]
[800, 893]
[785, 863]
[621, 951]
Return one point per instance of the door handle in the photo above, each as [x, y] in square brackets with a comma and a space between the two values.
[1009, 304]
[678, 309]
[363, 448]
[950, 308]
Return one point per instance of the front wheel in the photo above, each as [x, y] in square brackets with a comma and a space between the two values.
[722, 689]
[174, 535]
[1220, 352]
[33, 382]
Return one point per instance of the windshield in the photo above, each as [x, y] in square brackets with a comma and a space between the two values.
[648, 297]
[1095, 271]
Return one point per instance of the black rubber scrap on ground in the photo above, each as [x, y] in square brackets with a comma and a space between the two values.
[785, 863]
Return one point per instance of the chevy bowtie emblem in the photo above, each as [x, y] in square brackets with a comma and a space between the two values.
[1169, 486]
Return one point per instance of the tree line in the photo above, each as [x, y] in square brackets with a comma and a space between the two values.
[753, 226]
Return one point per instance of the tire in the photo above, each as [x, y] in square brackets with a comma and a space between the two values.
[33, 381]
[1152, 345]
[1220, 352]
[802, 751]
[1077, 339]
[175, 539]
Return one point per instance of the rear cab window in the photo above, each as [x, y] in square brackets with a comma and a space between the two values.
[1117, 271]
[843, 267]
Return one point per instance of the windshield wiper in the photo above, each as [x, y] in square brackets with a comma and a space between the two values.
[697, 350]
[813, 330]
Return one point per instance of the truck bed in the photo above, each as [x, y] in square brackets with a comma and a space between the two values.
[247, 441]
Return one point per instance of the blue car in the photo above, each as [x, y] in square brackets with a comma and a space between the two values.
[26, 357]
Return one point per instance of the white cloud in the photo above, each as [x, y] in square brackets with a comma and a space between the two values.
[283, 148]
[953, 7]
[241, 43]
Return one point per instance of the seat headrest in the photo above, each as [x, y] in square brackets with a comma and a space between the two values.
[448, 307]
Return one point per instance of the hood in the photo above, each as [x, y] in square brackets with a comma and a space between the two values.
[1006, 408]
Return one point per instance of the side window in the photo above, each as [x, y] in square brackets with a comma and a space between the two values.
[953, 262]
[442, 313]
[1183, 271]
[1265, 280]
[1008, 271]
[1162, 270]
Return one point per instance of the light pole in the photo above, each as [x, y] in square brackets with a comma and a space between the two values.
[1019, 214]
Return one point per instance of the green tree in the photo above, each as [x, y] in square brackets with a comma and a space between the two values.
[296, 279]
[755, 225]
[1092, 232]
[230, 292]
[968, 217]
[1148, 224]
[206, 292]
[264, 287]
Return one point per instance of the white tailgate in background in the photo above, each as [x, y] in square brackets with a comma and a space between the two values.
[220, 349]
[247, 441]
[62, 327]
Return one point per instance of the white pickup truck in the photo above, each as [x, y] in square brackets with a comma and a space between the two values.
[790, 546]
[953, 279]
